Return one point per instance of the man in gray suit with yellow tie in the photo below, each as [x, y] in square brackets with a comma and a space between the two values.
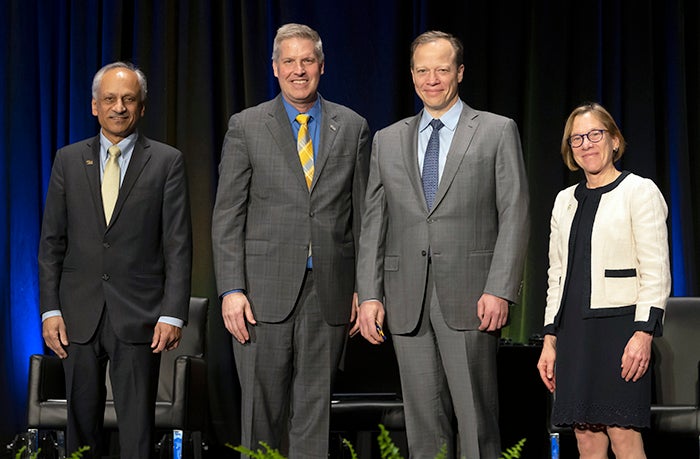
[293, 174]
[442, 248]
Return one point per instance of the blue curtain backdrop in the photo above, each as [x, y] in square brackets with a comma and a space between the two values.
[205, 60]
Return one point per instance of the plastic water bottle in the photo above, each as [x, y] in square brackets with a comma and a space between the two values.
[177, 444]
[554, 445]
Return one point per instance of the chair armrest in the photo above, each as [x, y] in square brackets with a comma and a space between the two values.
[189, 405]
[677, 419]
[46, 382]
[365, 411]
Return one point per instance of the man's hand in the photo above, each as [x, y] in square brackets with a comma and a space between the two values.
[635, 359]
[546, 362]
[371, 316]
[492, 311]
[53, 330]
[236, 310]
[353, 316]
[166, 337]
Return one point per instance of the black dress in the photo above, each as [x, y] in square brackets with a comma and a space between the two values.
[589, 386]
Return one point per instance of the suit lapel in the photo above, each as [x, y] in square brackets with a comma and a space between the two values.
[281, 131]
[328, 131]
[466, 127]
[409, 151]
[91, 162]
[139, 158]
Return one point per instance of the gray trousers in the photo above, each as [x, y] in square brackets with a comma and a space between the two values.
[286, 372]
[449, 375]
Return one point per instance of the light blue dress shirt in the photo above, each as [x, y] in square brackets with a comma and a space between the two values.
[450, 120]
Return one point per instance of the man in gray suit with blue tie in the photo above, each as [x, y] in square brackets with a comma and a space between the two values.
[293, 174]
[442, 248]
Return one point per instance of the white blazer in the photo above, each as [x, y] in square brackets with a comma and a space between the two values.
[629, 253]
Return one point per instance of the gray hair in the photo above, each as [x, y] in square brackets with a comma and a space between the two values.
[97, 80]
[297, 31]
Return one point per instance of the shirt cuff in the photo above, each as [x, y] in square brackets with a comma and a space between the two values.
[174, 321]
[52, 313]
[654, 325]
[549, 329]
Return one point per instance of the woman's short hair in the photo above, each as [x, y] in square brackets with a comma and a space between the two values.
[601, 115]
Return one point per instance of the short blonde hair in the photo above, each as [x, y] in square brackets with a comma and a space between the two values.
[293, 30]
[601, 115]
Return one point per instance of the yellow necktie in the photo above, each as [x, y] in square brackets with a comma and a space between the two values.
[305, 148]
[110, 182]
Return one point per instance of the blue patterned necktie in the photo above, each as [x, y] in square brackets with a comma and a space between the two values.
[431, 162]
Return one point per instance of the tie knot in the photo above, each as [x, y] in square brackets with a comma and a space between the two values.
[303, 118]
[114, 151]
[436, 124]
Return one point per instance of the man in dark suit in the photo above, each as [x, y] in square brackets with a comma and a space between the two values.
[114, 265]
[284, 233]
[442, 248]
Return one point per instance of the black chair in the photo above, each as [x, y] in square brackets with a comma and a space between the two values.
[676, 400]
[367, 392]
[181, 404]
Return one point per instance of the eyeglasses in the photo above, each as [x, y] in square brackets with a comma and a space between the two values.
[594, 136]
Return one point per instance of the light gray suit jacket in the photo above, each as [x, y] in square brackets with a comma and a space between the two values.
[265, 216]
[476, 233]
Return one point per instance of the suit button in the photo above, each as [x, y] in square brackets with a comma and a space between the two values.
[105, 277]
[311, 214]
[423, 252]
[106, 245]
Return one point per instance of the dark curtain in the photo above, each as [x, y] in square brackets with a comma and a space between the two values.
[207, 59]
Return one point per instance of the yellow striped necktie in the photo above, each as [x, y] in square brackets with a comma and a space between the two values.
[305, 148]
[110, 182]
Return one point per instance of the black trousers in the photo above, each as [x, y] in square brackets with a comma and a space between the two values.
[133, 372]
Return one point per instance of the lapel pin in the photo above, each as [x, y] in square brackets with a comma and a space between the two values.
[88, 162]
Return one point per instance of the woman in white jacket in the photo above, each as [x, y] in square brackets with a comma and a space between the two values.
[609, 280]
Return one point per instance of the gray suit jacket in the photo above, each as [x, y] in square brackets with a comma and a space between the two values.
[139, 265]
[265, 216]
[477, 230]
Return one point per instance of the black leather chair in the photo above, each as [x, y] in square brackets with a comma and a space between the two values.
[181, 404]
[367, 392]
[676, 399]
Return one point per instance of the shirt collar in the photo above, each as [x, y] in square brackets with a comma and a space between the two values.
[449, 119]
[126, 145]
[314, 112]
